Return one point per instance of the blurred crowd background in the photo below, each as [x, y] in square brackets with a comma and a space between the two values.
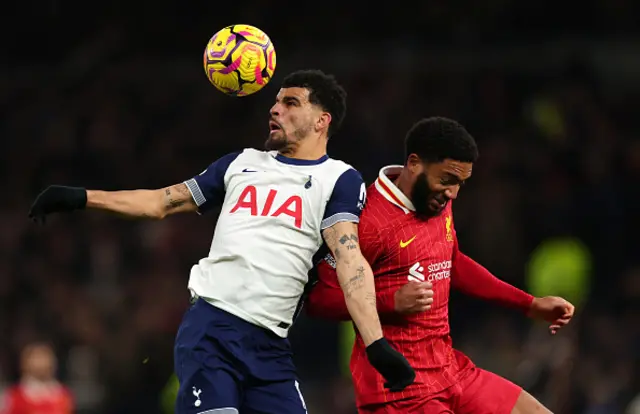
[117, 99]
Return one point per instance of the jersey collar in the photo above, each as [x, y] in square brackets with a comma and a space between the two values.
[295, 161]
[388, 189]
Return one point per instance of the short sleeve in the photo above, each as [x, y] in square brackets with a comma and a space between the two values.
[347, 199]
[208, 188]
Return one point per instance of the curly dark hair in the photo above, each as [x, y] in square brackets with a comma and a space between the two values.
[435, 139]
[324, 91]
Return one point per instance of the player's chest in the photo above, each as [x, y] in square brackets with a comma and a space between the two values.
[293, 197]
[422, 252]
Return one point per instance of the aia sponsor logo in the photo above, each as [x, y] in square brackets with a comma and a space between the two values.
[248, 201]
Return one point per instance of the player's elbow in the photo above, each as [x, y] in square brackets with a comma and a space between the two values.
[158, 215]
[154, 213]
[156, 207]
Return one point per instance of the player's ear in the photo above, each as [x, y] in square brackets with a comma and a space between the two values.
[323, 121]
[414, 164]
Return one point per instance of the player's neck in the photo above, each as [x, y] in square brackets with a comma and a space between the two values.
[404, 182]
[308, 149]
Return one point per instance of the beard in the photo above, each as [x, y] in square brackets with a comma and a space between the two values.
[276, 141]
[424, 199]
[279, 140]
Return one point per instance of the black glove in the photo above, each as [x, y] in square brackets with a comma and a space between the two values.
[57, 198]
[391, 364]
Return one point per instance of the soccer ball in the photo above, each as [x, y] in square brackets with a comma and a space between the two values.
[239, 60]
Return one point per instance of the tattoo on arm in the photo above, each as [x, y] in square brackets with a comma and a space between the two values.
[176, 196]
[355, 283]
[350, 241]
[330, 237]
[342, 240]
[371, 299]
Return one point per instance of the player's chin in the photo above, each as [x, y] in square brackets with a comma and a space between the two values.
[276, 141]
[429, 210]
[436, 207]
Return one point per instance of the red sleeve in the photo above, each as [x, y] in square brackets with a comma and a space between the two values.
[326, 299]
[473, 279]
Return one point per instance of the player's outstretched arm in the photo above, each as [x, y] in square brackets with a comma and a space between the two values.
[154, 204]
[473, 279]
[355, 278]
[199, 193]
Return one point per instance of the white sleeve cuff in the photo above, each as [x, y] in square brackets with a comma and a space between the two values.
[195, 191]
[337, 218]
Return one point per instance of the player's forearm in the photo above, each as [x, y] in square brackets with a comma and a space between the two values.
[473, 279]
[154, 204]
[356, 280]
[133, 203]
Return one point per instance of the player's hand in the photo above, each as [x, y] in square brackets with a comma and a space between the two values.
[552, 309]
[56, 198]
[391, 364]
[414, 297]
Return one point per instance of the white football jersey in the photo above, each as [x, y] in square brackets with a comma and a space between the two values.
[274, 209]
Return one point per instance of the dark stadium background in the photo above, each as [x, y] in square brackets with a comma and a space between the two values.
[112, 95]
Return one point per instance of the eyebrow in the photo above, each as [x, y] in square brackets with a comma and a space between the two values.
[449, 175]
[290, 98]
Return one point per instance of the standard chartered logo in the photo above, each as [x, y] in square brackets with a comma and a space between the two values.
[434, 272]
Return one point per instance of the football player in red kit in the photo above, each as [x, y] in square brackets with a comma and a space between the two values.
[407, 234]
[38, 391]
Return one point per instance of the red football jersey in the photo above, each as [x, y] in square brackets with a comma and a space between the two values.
[401, 247]
[35, 398]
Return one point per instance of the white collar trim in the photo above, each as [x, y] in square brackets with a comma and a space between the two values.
[388, 189]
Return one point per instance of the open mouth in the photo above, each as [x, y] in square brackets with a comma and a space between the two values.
[437, 205]
[273, 126]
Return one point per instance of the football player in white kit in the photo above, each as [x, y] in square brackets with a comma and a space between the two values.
[279, 208]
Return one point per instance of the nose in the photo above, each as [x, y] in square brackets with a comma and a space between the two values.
[275, 110]
[452, 192]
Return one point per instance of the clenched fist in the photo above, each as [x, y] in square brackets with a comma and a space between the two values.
[552, 309]
[414, 297]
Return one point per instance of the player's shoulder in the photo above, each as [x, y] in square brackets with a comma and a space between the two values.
[254, 154]
[333, 169]
[378, 212]
[377, 205]
[345, 173]
[244, 158]
[340, 165]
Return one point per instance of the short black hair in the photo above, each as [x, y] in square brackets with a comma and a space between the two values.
[324, 91]
[436, 138]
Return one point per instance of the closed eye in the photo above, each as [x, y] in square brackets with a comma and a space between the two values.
[450, 179]
[452, 182]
